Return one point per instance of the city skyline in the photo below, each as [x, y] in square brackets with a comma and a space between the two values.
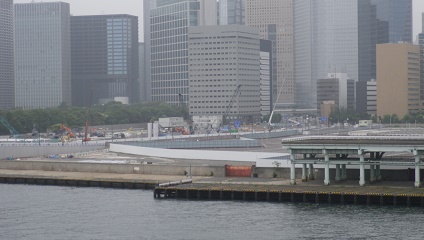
[135, 7]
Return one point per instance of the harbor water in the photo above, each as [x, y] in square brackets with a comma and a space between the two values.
[51, 212]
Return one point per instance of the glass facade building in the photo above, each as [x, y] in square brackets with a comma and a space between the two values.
[231, 12]
[168, 45]
[7, 79]
[42, 55]
[104, 58]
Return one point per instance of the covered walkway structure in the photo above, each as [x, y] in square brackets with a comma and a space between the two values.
[340, 152]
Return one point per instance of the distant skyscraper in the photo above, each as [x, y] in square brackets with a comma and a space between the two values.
[222, 58]
[398, 15]
[142, 73]
[42, 55]
[274, 18]
[167, 44]
[7, 82]
[105, 59]
[341, 36]
[231, 12]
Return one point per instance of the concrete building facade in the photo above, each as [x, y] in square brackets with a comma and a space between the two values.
[105, 59]
[274, 18]
[7, 78]
[398, 79]
[42, 55]
[266, 76]
[336, 87]
[372, 97]
[224, 66]
[167, 44]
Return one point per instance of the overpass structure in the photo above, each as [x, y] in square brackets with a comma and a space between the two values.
[343, 151]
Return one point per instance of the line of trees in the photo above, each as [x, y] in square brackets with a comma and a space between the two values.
[108, 114]
[349, 116]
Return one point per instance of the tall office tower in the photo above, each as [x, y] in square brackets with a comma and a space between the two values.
[7, 79]
[42, 55]
[398, 15]
[274, 18]
[224, 71]
[104, 59]
[421, 44]
[142, 72]
[398, 79]
[169, 21]
[231, 12]
[341, 36]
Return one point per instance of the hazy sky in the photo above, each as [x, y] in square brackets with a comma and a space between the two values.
[135, 7]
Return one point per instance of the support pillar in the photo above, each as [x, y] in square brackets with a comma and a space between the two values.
[292, 170]
[338, 173]
[372, 173]
[344, 172]
[417, 172]
[327, 170]
[377, 173]
[361, 170]
[311, 172]
[304, 173]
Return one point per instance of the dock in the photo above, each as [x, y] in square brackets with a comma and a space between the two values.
[342, 194]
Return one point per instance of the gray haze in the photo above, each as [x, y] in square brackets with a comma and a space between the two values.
[135, 7]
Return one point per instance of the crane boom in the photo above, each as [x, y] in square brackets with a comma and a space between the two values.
[87, 117]
[230, 105]
[11, 129]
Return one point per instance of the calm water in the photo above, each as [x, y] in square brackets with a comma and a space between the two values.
[49, 212]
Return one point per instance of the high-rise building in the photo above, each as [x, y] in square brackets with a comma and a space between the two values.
[274, 18]
[167, 44]
[42, 54]
[231, 12]
[224, 71]
[7, 80]
[398, 79]
[421, 44]
[341, 36]
[142, 72]
[105, 59]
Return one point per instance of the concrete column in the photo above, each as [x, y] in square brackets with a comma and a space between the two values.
[361, 170]
[417, 172]
[377, 173]
[338, 173]
[344, 173]
[292, 170]
[304, 173]
[327, 170]
[311, 172]
[372, 173]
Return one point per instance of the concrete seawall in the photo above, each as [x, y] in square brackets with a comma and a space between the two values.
[20, 150]
[113, 168]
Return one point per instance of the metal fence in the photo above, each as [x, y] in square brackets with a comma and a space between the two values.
[181, 144]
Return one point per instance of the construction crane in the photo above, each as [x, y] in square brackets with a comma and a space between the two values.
[11, 129]
[85, 139]
[229, 106]
[270, 125]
